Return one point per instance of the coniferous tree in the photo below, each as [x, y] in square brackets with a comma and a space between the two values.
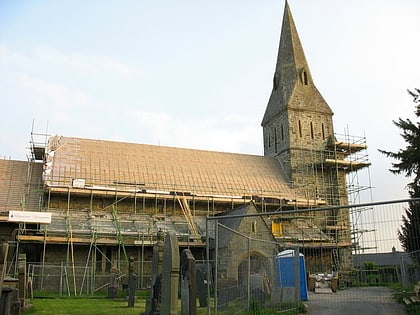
[409, 164]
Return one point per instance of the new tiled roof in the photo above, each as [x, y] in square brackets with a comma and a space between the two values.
[118, 165]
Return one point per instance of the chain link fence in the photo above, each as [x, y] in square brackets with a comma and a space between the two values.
[276, 259]
[72, 280]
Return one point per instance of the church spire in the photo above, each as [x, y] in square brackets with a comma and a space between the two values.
[292, 74]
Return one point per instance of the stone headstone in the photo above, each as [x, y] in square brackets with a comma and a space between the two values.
[132, 283]
[30, 289]
[154, 299]
[188, 284]
[112, 288]
[7, 297]
[201, 280]
[170, 275]
[257, 289]
[22, 285]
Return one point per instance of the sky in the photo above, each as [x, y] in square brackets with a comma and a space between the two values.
[198, 74]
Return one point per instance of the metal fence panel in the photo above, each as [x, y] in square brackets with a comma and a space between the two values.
[72, 280]
[351, 253]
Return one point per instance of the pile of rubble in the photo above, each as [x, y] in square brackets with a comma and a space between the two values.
[323, 282]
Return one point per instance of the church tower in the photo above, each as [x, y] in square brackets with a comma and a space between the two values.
[298, 131]
[297, 124]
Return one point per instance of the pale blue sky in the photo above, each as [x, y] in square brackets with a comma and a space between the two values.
[198, 74]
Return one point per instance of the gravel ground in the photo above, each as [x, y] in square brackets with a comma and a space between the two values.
[359, 301]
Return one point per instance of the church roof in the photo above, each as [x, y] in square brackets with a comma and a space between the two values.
[292, 83]
[108, 165]
[229, 224]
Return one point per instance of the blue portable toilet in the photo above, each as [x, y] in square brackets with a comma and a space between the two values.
[285, 271]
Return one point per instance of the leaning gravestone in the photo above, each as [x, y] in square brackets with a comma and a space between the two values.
[188, 284]
[170, 275]
[154, 299]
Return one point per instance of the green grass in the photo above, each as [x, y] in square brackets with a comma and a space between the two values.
[82, 306]
[400, 293]
[413, 309]
[85, 305]
[100, 305]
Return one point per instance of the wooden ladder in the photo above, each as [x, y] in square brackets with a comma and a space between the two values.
[336, 260]
[187, 214]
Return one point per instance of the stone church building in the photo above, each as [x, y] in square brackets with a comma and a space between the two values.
[94, 202]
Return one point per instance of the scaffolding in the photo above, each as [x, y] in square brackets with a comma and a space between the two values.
[332, 172]
[86, 213]
[360, 191]
[356, 164]
[115, 218]
[32, 194]
[34, 186]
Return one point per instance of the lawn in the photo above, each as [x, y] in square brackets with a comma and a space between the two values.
[82, 306]
[104, 306]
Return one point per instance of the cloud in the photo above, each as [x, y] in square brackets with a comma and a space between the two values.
[56, 94]
[47, 57]
[214, 133]
[92, 64]
[60, 86]
[9, 58]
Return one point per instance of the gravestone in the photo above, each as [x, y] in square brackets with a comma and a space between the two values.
[256, 282]
[30, 289]
[9, 294]
[112, 288]
[22, 284]
[154, 299]
[170, 275]
[132, 283]
[201, 280]
[188, 284]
